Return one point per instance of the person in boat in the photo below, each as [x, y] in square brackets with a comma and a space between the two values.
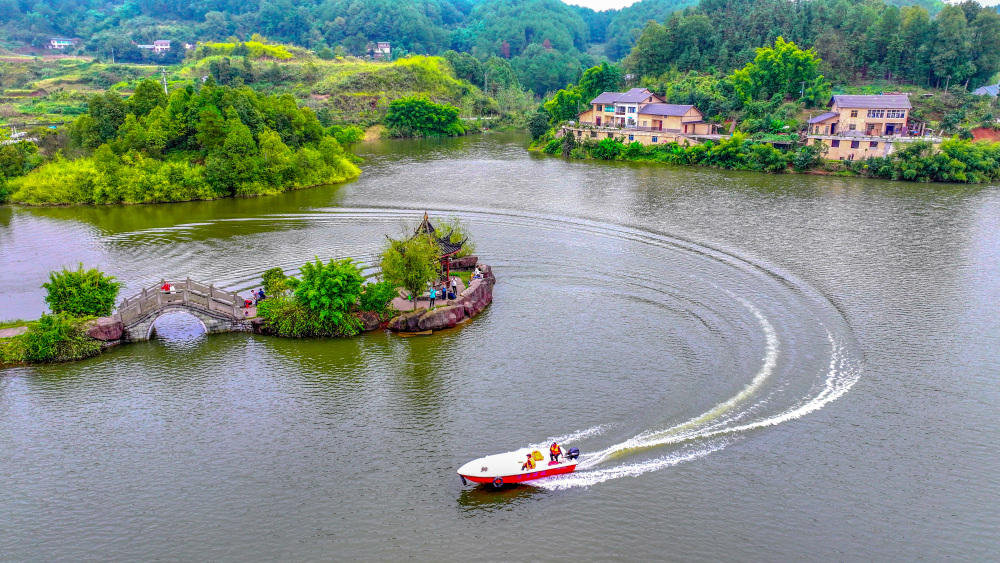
[528, 463]
[554, 452]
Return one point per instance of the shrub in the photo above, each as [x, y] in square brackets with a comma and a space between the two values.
[346, 134]
[330, 290]
[608, 149]
[58, 338]
[553, 146]
[287, 317]
[275, 281]
[81, 292]
[376, 296]
[418, 116]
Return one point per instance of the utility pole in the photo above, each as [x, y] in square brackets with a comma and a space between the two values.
[112, 55]
[947, 83]
[163, 73]
[802, 93]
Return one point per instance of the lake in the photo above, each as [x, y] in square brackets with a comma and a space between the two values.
[755, 367]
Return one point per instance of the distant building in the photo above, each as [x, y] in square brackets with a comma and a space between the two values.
[992, 90]
[858, 127]
[161, 46]
[379, 50]
[60, 43]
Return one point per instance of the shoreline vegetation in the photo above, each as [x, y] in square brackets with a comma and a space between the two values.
[956, 160]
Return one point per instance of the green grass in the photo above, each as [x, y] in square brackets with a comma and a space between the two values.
[463, 275]
[13, 323]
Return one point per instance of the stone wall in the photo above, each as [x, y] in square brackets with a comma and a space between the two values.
[468, 304]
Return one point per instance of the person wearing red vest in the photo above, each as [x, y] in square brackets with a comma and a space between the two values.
[554, 452]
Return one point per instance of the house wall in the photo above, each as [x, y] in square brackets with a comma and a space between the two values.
[644, 137]
[845, 150]
[858, 118]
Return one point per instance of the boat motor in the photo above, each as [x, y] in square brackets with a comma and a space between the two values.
[573, 453]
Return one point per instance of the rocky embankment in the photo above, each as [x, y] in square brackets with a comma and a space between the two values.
[468, 304]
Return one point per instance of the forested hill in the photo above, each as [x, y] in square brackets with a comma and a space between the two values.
[548, 42]
[856, 40]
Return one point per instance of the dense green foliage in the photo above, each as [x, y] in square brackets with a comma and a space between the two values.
[288, 317]
[376, 296]
[325, 301]
[81, 292]
[57, 338]
[275, 281]
[16, 160]
[955, 161]
[855, 39]
[417, 116]
[410, 263]
[212, 142]
[330, 290]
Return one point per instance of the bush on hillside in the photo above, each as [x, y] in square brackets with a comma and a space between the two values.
[418, 116]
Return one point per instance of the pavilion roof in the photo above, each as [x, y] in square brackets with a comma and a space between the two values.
[446, 247]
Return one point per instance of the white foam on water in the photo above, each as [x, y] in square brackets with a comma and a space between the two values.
[588, 478]
[692, 428]
[715, 426]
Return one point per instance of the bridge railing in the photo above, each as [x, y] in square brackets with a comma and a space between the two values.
[187, 292]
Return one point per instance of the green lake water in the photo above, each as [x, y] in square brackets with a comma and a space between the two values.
[755, 367]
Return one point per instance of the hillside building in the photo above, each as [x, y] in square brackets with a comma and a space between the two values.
[640, 115]
[61, 43]
[858, 127]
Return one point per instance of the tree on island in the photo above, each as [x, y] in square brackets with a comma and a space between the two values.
[411, 263]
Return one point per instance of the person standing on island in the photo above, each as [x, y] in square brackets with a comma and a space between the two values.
[432, 293]
[454, 286]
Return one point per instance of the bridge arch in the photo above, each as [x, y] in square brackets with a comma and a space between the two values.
[217, 310]
[173, 311]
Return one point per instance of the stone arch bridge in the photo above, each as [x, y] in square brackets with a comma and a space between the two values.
[218, 310]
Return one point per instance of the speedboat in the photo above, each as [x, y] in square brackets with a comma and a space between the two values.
[504, 469]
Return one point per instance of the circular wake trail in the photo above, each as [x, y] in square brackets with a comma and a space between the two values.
[707, 433]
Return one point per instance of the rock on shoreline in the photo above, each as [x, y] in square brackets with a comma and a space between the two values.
[469, 303]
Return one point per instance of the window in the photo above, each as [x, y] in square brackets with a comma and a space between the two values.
[609, 108]
[631, 137]
[579, 133]
[854, 113]
[855, 144]
[835, 143]
[876, 113]
[654, 139]
[593, 134]
[895, 113]
[631, 110]
[852, 127]
[611, 135]
[873, 144]
[644, 123]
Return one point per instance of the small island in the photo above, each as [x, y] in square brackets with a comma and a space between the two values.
[331, 299]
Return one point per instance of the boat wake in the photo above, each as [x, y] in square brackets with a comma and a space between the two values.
[716, 428]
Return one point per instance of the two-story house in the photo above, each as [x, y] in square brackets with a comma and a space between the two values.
[640, 115]
[618, 109]
[858, 127]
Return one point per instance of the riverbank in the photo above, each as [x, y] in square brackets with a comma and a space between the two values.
[955, 160]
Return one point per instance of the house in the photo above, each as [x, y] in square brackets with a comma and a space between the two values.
[992, 90]
[640, 115]
[379, 50]
[161, 46]
[857, 127]
[60, 43]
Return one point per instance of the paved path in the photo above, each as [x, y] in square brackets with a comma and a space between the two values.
[402, 304]
[16, 331]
